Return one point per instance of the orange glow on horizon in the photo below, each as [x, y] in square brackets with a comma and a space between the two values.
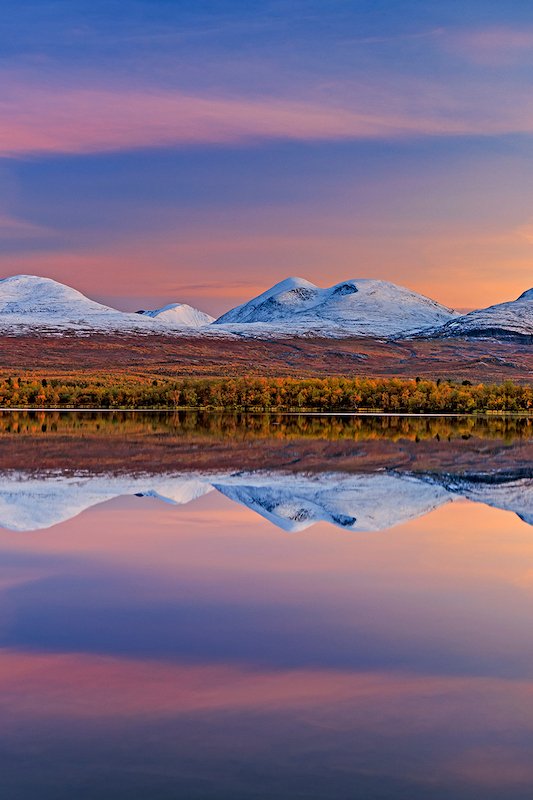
[213, 275]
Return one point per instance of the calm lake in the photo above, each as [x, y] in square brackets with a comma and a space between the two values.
[231, 607]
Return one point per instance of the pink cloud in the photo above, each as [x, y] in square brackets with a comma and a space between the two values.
[91, 120]
[14, 228]
[53, 117]
[497, 45]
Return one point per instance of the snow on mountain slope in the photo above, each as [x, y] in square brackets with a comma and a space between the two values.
[514, 318]
[178, 315]
[371, 502]
[29, 302]
[357, 307]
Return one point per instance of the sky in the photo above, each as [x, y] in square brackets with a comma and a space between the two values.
[198, 151]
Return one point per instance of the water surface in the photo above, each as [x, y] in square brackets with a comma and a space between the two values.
[251, 607]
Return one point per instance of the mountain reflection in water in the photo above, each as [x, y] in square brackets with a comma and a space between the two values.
[293, 502]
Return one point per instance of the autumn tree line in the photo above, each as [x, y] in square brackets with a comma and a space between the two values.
[332, 394]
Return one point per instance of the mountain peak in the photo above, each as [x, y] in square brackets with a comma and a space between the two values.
[292, 282]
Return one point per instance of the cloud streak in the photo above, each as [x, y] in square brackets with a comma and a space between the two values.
[494, 46]
[15, 228]
[35, 121]
[51, 118]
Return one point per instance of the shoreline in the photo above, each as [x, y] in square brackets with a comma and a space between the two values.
[99, 409]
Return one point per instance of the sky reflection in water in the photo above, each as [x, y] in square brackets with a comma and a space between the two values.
[200, 652]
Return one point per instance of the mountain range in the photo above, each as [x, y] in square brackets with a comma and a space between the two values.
[293, 307]
[355, 502]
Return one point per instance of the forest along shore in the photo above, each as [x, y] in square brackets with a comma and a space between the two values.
[332, 394]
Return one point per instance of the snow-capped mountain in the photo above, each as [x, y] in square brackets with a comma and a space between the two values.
[358, 307]
[360, 502]
[29, 302]
[514, 318]
[178, 315]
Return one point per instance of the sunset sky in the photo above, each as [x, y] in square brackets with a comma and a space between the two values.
[200, 150]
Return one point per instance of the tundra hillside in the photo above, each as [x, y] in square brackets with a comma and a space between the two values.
[479, 361]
